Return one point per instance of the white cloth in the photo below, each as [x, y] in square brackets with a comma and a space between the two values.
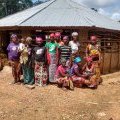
[21, 46]
[74, 46]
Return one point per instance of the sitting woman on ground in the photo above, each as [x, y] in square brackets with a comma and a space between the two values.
[62, 76]
[77, 75]
[91, 72]
[88, 68]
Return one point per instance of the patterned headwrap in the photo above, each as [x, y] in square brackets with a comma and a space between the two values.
[65, 38]
[13, 36]
[57, 34]
[77, 60]
[39, 40]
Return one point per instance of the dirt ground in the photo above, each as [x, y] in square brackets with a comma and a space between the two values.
[51, 103]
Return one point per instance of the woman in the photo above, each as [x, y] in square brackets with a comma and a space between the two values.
[14, 57]
[77, 75]
[26, 62]
[93, 49]
[65, 50]
[88, 68]
[62, 76]
[52, 57]
[74, 43]
[58, 39]
[40, 69]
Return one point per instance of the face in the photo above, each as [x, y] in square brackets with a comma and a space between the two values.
[15, 39]
[93, 42]
[75, 38]
[79, 64]
[63, 63]
[52, 39]
[65, 41]
[89, 63]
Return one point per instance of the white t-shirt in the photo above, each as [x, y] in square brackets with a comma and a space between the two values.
[74, 46]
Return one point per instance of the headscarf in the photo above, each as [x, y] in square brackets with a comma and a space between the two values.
[93, 38]
[13, 36]
[52, 35]
[39, 40]
[57, 34]
[77, 60]
[74, 34]
[88, 59]
[65, 38]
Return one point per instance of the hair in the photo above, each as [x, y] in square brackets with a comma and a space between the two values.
[28, 40]
[22, 40]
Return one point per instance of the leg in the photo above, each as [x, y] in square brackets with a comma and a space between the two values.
[14, 71]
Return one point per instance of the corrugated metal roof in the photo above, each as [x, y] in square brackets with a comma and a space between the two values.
[60, 13]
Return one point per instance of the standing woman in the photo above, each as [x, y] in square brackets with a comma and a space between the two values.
[14, 57]
[93, 49]
[52, 57]
[74, 43]
[26, 62]
[58, 39]
[40, 69]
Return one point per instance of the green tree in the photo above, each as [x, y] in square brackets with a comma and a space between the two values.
[8, 7]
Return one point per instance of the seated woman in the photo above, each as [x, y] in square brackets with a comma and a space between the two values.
[88, 68]
[91, 72]
[78, 78]
[62, 76]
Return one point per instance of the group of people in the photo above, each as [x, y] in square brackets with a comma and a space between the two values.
[56, 61]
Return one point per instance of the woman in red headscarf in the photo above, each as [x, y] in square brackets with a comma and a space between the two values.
[91, 72]
[58, 39]
[40, 69]
[52, 57]
[93, 49]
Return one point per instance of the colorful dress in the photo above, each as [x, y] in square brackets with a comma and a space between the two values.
[41, 74]
[63, 81]
[28, 71]
[77, 80]
[52, 58]
[93, 51]
[14, 56]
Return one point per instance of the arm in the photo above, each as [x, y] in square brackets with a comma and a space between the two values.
[77, 72]
[57, 56]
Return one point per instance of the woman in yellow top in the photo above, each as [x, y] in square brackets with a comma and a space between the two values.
[93, 49]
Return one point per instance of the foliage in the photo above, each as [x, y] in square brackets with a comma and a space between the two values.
[8, 7]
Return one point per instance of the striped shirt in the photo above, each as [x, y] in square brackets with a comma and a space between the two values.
[65, 52]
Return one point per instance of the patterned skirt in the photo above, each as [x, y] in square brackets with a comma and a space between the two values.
[65, 82]
[41, 74]
[52, 68]
[78, 81]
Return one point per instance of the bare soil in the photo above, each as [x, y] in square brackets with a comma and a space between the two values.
[51, 103]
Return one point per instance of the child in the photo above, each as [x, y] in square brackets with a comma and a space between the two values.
[26, 58]
[22, 44]
[62, 76]
[40, 69]
[14, 56]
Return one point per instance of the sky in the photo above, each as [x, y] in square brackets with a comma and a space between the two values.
[110, 8]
